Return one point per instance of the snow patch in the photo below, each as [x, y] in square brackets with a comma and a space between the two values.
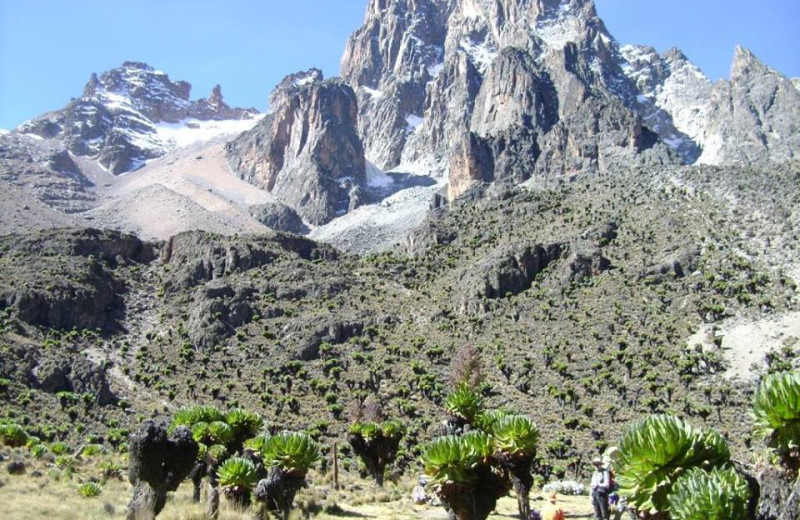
[192, 130]
[373, 93]
[308, 80]
[745, 342]
[413, 122]
[376, 178]
[482, 54]
[559, 30]
[378, 227]
[712, 150]
[435, 70]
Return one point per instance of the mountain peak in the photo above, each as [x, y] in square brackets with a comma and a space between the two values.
[746, 64]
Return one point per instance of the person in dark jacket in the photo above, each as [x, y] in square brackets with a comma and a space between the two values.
[601, 487]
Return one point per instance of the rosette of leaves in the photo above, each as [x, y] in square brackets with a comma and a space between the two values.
[216, 432]
[719, 494]
[257, 443]
[191, 415]
[294, 452]
[244, 425]
[90, 490]
[376, 445]
[465, 404]
[776, 411]
[464, 476]
[516, 438]
[238, 476]
[288, 457]
[13, 435]
[489, 418]
[655, 451]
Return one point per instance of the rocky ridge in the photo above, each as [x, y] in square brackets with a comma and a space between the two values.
[417, 65]
[753, 117]
[118, 118]
[306, 151]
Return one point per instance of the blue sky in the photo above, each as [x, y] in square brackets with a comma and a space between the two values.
[48, 48]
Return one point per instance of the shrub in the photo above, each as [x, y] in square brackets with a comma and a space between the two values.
[515, 439]
[238, 477]
[244, 424]
[89, 490]
[776, 411]
[655, 450]
[192, 415]
[376, 445]
[719, 494]
[566, 487]
[13, 435]
[90, 450]
[294, 452]
[59, 448]
[288, 456]
[463, 475]
[465, 404]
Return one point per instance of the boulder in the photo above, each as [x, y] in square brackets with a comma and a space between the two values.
[279, 217]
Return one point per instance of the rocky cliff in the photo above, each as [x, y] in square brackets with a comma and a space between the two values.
[119, 118]
[477, 88]
[754, 117]
[485, 90]
[306, 151]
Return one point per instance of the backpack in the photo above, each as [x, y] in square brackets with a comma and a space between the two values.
[612, 482]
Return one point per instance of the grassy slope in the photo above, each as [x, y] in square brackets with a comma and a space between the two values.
[581, 358]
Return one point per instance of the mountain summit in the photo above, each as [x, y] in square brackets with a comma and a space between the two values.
[120, 116]
[437, 100]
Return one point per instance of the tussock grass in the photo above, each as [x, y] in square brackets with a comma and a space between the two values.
[43, 498]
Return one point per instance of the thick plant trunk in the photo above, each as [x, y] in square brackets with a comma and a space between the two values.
[278, 490]
[474, 502]
[197, 480]
[146, 502]
[523, 498]
[213, 502]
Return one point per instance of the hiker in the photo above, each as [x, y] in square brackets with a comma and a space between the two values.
[552, 511]
[601, 486]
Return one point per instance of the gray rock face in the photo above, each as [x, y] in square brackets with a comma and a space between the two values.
[495, 90]
[216, 312]
[780, 496]
[47, 171]
[205, 257]
[90, 298]
[672, 95]
[306, 151]
[754, 117]
[115, 120]
[505, 271]
[279, 217]
[80, 376]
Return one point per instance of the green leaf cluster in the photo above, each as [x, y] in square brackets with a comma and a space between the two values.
[516, 435]
[719, 494]
[294, 452]
[89, 490]
[454, 459]
[239, 473]
[13, 435]
[776, 412]
[656, 451]
[465, 403]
